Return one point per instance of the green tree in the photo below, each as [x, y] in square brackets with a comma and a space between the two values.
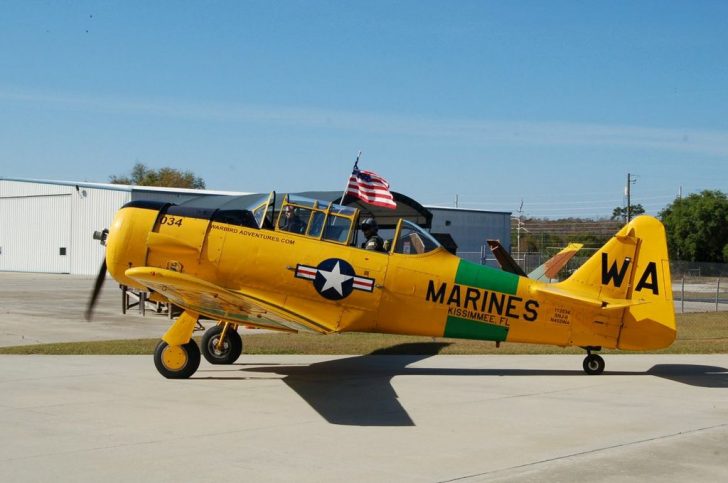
[620, 212]
[141, 175]
[697, 227]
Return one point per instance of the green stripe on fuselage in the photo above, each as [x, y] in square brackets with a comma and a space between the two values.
[458, 328]
[487, 278]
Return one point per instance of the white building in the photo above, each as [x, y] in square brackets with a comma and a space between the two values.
[47, 226]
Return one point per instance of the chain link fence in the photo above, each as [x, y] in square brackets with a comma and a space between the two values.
[699, 287]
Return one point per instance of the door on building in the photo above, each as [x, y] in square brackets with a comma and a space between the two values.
[35, 233]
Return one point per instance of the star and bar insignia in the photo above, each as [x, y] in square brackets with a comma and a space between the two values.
[334, 278]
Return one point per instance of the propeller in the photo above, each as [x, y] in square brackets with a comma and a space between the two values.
[101, 236]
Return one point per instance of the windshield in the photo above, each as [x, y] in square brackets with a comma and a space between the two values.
[262, 210]
[413, 240]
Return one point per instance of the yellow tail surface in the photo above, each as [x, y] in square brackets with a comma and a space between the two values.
[632, 271]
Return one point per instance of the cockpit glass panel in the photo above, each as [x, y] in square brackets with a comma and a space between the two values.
[301, 201]
[317, 224]
[342, 210]
[413, 240]
[317, 219]
[259, 213]
[337, 228]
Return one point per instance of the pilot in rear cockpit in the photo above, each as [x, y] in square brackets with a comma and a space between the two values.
[371, 231]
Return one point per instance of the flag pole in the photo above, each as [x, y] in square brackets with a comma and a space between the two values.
[356, 166]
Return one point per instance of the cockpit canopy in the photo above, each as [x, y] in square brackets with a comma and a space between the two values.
[334, 223]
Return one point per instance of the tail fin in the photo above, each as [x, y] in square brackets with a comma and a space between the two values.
[632, 270]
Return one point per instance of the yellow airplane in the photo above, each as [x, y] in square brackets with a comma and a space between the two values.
[243, 267]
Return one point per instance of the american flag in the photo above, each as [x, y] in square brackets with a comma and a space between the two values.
[370, 188]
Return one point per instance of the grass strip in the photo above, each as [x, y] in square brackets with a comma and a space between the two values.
[698, 333]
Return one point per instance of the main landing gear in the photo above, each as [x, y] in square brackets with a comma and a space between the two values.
[221, 344]
[593, 363]
[177, 355]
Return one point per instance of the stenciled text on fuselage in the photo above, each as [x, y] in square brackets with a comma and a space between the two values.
[483, 305]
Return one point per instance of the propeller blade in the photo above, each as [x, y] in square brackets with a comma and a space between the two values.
[97, 289]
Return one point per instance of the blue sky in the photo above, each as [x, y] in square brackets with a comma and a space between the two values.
[552, 103]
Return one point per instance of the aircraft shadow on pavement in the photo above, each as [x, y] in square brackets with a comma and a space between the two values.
[358, 391]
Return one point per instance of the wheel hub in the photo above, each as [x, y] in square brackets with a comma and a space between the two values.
[213, 345]
[174, 357]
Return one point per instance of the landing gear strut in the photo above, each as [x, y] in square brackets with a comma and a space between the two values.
[593, 363]
[221, 344]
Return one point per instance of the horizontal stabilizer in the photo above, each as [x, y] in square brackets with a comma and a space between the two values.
[604, 303]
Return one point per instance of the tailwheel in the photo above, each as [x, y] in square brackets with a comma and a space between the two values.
[177, 361]
[593, 364]
[222, 344]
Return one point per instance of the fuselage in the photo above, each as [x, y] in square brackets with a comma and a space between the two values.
[348, 288]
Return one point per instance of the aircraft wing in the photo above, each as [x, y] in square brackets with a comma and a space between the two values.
[553, 265]
[217, 302]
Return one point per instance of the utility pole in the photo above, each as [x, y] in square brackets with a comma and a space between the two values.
[519, 227]
[628, 192]
[629, 205]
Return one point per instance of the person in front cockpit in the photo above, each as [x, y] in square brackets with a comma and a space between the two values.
[291, 222]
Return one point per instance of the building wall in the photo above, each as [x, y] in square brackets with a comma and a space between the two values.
[35, 234]
[91, 209]
[46, 227]
[471, 228]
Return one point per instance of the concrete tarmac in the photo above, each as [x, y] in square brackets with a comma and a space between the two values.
[315, 418]
[40, 308]
[366, 418]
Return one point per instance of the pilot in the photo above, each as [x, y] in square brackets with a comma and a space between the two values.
[291, 222]
[373, 241]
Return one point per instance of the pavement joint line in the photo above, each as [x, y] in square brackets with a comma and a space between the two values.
[584, 453]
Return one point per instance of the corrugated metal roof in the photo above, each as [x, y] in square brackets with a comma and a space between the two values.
[124, 187]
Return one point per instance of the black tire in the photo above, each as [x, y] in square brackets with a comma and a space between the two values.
[593, 364]
[177, 362]
[231, 350]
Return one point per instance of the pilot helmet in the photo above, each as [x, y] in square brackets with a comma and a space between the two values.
[369, 224]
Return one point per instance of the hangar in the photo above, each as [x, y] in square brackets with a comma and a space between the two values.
[46, 226]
